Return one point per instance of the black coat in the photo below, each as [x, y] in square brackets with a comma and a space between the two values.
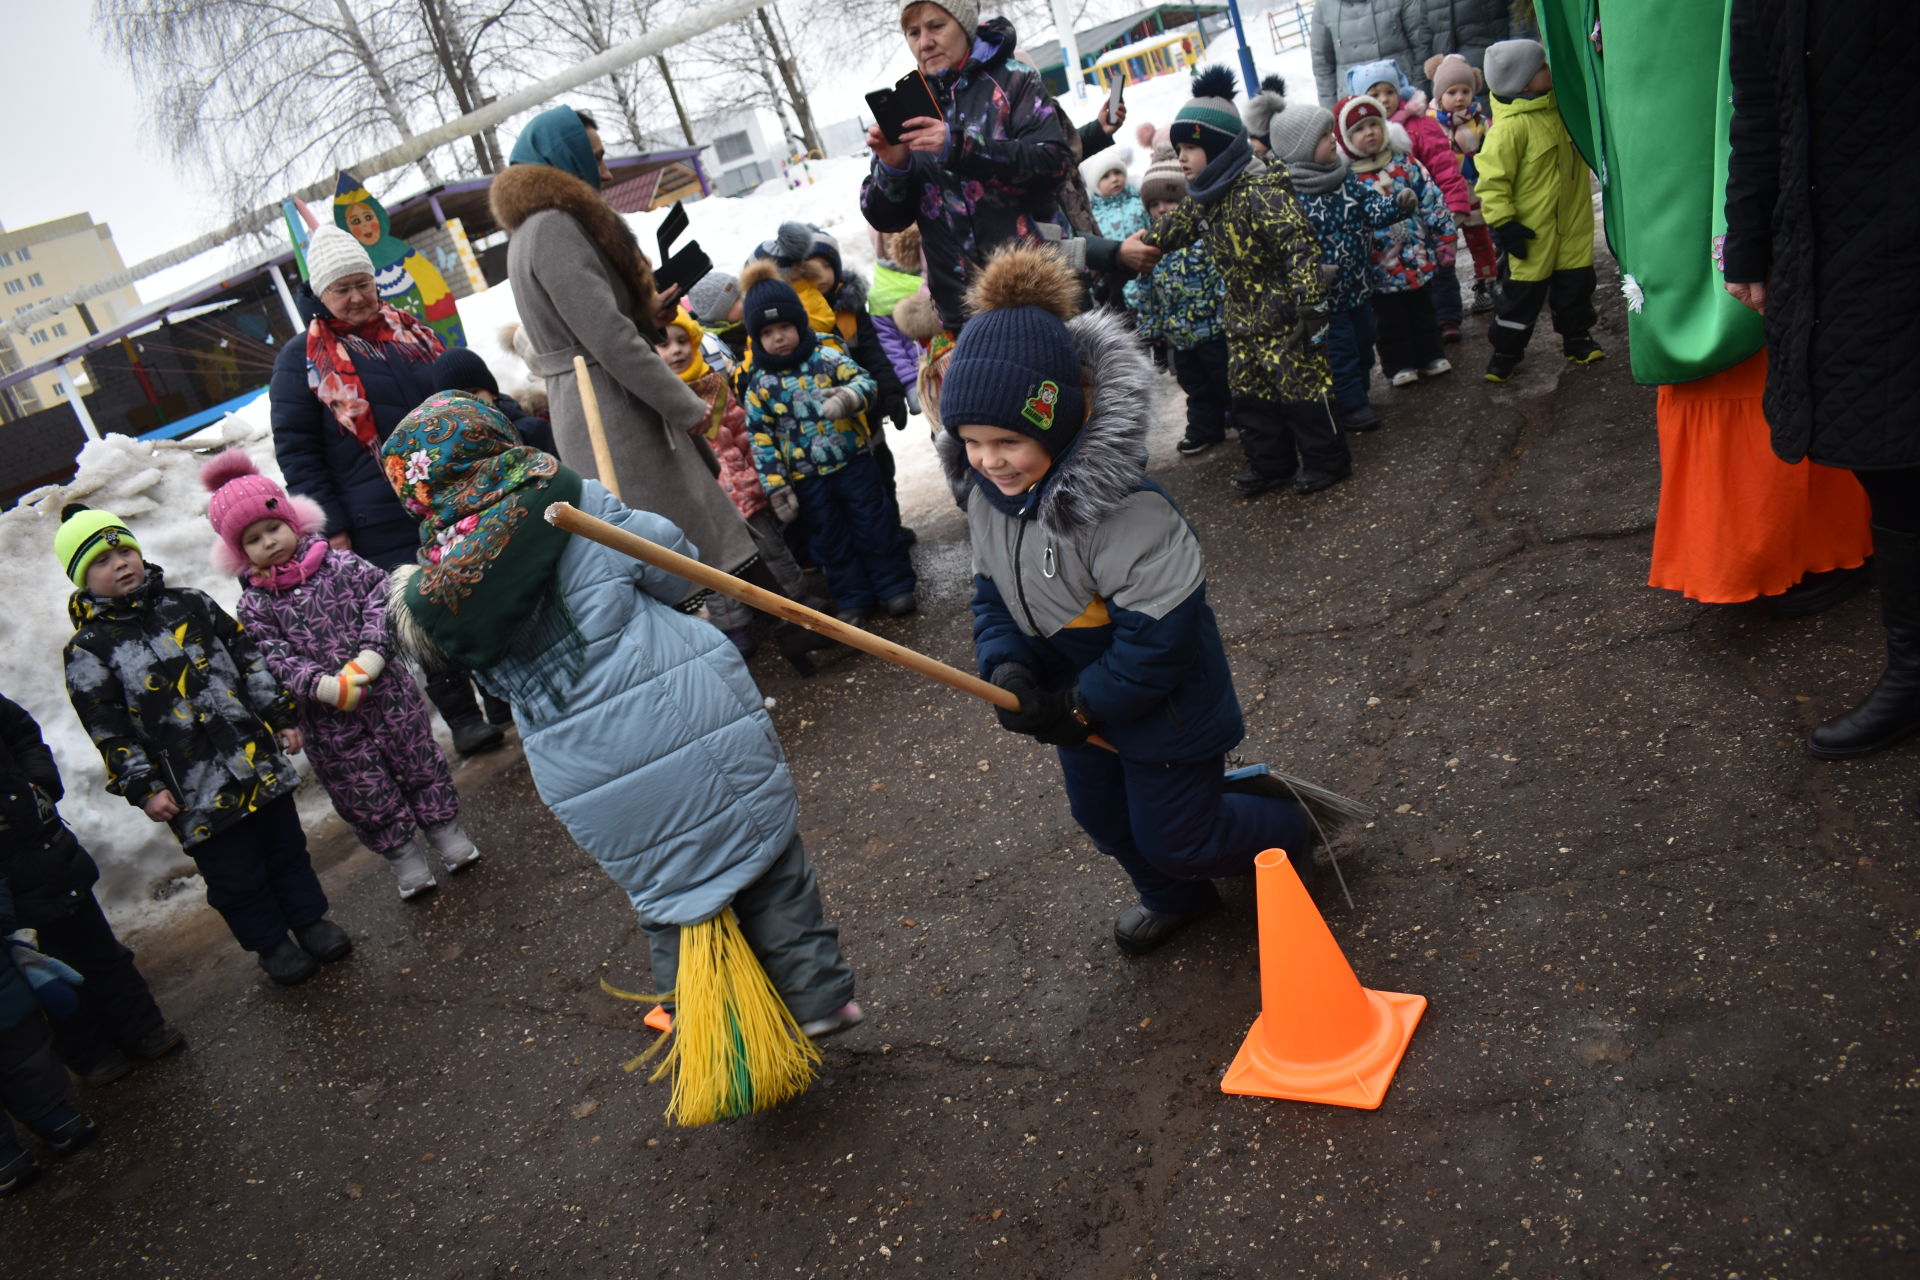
[1816, 211]
[46, 867]
[327, 463]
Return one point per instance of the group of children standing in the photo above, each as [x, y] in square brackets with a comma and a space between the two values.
[1300, 242]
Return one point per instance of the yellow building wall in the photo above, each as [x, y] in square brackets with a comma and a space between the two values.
[41, 262]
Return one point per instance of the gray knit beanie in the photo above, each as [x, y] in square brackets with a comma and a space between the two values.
[1297, 129]
[713, 297]
[965, 12]
[1511, 63]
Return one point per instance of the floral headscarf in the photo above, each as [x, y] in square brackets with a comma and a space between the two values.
[487, 552]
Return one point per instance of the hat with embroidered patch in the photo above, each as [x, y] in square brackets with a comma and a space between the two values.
[1209, 120]
[1015, 365]
[86, 534]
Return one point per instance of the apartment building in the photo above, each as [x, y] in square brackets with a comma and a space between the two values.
[41, 262]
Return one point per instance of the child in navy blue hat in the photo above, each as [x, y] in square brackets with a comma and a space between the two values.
[463, 369]
[806, 405]
[1090, 595]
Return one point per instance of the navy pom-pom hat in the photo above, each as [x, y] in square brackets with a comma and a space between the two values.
[1016, 368]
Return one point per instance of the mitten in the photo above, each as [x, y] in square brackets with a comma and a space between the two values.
[1512, 238]
[1046, 715]
[841, 402]
[785, 503]
[366, 663]
[1406, 199]
[343, 693]
[896, 412]
[55, 983]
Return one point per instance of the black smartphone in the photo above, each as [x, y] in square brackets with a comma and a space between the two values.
[685, 268]
[911, 98]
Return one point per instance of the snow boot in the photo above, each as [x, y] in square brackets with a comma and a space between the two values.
[324, 940]
[1140, 928]
[18, 1170]
[451, 693]
[287, 964]
[1891, 711]
[158, 1043]
[455, 847]
[846, 1016]
[412, 870]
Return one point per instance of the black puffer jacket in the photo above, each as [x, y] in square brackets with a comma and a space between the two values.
[177, 698]
[995, 182]
[44, 864]
[1810, 212]
[327, 463]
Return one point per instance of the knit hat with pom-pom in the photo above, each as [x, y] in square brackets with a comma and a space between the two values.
[1451, 71]
[1165, 179]
[1263, 106]
[85, 534]
[1015, 365]
[1209, 120]
[1112, 160]
[241, 497]
[1297, 129]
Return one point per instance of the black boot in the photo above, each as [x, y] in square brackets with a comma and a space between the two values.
[1140, 928]
[796, 644]
[451, 693]
[1891, 712]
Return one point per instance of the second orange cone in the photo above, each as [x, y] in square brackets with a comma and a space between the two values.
[1320, 1036]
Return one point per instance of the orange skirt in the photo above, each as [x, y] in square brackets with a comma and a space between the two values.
[1735, 522]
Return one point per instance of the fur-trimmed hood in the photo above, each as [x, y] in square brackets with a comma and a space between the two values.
[1108, 459]
[523, 190]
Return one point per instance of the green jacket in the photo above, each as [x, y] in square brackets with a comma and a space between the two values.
[1530, 173]
[1266, 251]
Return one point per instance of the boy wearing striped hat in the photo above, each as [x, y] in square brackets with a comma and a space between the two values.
[195, 732]
[1275, 303]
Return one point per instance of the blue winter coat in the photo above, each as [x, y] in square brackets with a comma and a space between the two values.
[322, 460]
[1098, 580]
[1344, 220]
[662, 761]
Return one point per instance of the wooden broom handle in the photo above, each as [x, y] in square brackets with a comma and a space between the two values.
[573, 520]
[596, 430]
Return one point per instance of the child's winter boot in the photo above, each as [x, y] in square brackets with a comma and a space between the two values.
[1582, 350]
[412, 870]
[324, 940]
[17, 1168]
[1140, 928]
[65, 1131]
[287, 964]
[455, 847]
[847, 1015]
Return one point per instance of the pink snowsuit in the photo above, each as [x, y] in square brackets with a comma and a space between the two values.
[1432, 148]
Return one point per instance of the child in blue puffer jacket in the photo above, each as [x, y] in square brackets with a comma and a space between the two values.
[806, 414]
[1090, 595]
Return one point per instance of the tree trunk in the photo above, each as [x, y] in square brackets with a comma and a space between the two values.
[457, 67]
[381, 86]
[679, 108]
[796, 90]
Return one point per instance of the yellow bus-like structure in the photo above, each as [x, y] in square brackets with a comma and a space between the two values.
[1159, 56]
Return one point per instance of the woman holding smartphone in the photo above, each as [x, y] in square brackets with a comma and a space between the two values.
[984, 174]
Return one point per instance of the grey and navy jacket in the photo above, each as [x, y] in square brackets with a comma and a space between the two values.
[1094, 578]
[177, 698]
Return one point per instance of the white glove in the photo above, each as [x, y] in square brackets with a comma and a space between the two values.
[343, 693]
[366, 663]
[841, 402]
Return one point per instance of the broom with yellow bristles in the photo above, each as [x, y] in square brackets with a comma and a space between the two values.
[735, 1047]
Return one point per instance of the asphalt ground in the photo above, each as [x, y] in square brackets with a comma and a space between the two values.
[1665, 951]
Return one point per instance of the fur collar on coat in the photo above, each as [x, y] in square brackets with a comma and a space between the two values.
[523, 190]
[1108, 459]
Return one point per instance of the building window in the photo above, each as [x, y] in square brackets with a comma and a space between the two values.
[6, 259]
[60, 330]
[35, 280]
[16, 286]
[23, 253]
[39, 337]
[60, 389]
[734, 146]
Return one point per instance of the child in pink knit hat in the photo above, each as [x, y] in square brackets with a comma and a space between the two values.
[318, 615]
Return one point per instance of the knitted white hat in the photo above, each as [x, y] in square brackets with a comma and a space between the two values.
[965, 12]
[333, 254]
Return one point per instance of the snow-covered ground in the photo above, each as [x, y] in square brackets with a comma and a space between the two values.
[155, 487]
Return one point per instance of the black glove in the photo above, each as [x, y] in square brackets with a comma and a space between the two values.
[1160, 357]
[896, 412]
[1046, 715]
[1512, 238]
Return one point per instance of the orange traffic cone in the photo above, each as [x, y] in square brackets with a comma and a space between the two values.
[1320, 1036]
[659, 1019]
